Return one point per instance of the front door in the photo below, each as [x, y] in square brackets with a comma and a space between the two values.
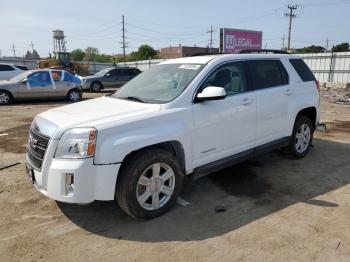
[39, 85]
[224, 127]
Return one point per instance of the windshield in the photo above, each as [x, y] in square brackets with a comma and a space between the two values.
[103, 72]
[19, 77]
[159, 84]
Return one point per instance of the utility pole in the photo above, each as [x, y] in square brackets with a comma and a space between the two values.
[283, 39]
[124, 44]
[14, 50]
[211, 31]
[32, 45]
[327, 43]
[291, 14]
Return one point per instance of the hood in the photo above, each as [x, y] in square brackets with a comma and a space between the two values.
[89, 78]
[93, 112]
[7, 83]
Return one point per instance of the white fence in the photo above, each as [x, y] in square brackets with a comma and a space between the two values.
[327, 67]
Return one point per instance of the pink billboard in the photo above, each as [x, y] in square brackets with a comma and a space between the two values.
[235, 40]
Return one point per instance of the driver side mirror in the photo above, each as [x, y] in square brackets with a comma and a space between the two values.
[24, 81]
[211, 93]
[108, 75]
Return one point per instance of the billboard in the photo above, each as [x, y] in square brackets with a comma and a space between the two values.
[235, 40]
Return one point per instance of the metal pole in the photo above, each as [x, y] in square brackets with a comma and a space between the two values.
[291, 15]
[123, 39]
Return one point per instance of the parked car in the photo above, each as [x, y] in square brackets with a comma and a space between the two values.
[187, 116]
[109, 77]
[41, 84]
[8, 71]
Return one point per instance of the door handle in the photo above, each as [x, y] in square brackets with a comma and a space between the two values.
[246, 101]
[288, 92]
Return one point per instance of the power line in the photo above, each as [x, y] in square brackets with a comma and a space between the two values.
[123, 38]
[211, 31]
[13, 50]
[291, 15]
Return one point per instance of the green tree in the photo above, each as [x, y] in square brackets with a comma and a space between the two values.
[90, 54]
[103, 58]
[35, 55]
[311, 49]
[343, 47]
[145, 52]
[77, 55]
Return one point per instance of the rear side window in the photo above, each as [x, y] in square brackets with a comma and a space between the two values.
[267, 73]
[6, 68]
[303, 70]
[21, 67]
[56, 75]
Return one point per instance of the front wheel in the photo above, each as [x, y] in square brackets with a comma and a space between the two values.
[96, 87]
[5, 97]
[301, 139]
[149, 183]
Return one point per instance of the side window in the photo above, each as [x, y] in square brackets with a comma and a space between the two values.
[113, 72]
[231, 77]
[6, 68]
[39, 79]
[56, 75]
[303, 70]
[136, 72]
[68, 77]
[267, 73]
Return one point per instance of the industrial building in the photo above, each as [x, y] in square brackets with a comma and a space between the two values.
[183, 51]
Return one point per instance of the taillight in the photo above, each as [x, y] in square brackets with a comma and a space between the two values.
[318, 85]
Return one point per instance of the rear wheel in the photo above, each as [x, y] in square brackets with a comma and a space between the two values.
[5, 97]
[149, 183]
[74, 95]
[96, 87]
[301, 138]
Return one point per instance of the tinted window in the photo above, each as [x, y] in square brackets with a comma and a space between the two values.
[39, 79]
[267, 73]
[22, 67]
[303, 70]
[231, 77]
[136, 71]
[56, 75]
[6, 68]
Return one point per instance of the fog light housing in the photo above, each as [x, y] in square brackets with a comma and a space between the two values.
[69, 184]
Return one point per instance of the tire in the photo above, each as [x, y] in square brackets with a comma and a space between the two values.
[301, 139]
[5, 97]
[96, 87]
[138, 187]
[74, 95]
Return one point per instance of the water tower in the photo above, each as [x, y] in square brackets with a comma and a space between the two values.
[59, 44]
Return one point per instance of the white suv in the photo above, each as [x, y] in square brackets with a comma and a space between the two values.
[8, 71]
[187, 116]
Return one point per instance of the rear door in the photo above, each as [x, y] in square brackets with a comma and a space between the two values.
[270, 83]
[125, 75]
[59, 85]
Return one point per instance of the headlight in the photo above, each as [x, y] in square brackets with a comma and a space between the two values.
[77, 143]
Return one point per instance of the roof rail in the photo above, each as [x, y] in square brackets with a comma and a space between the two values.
[263, 51]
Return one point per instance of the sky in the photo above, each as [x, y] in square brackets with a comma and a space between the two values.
[161, 23]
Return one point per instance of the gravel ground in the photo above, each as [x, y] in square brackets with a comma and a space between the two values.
[276, 209]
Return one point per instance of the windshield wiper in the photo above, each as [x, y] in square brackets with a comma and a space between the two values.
[133, 98]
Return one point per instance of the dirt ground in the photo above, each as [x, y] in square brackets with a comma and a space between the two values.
[276, 209]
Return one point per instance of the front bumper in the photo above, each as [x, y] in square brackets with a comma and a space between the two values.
[86, 85]
[90, 182]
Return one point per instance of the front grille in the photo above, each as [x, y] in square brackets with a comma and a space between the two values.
[37, 145]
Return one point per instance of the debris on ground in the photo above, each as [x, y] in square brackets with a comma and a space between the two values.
[8, 165]
[219, 209]
[182, 202]
[338, 93]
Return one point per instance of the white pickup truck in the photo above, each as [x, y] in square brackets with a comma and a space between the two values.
[187, 116]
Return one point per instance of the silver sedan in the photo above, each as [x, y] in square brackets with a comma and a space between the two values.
[41, 84]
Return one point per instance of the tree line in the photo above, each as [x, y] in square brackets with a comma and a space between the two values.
[92, 54]
[342, 47]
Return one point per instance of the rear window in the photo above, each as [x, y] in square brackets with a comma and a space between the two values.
[56, 75]
[267, 73]
[302, 69]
